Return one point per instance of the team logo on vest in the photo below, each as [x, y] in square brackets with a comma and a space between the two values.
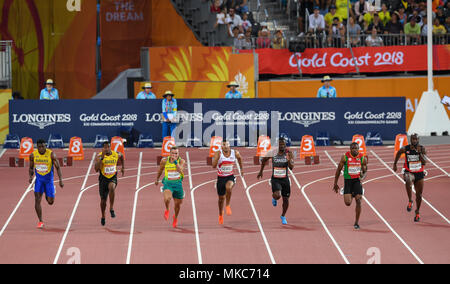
[306, 118]
[42, 120]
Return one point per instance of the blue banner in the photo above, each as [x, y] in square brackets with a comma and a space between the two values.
[198, 120]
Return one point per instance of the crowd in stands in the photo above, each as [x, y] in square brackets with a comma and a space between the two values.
[330, 22]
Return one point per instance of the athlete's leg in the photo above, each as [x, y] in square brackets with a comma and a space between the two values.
[357, 208]
[177, 206]
[37, 205]
[418, 185]
[112, 194]
[221, 202]
[50, 193]
[409, 181]
[348, 199]
[167, 198]
[285, 205]
[229, 187]
[103, 206]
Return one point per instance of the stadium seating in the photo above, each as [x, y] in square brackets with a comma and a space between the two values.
[145, 141]
[11, 142]
[99, 140]
[55, 141]
[373, 139]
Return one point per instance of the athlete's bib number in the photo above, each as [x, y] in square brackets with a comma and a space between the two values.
[41, 168]
[415, 166]
[354, 170]
[279, 172]
[110, 170]
[173, 175]
[226, 169]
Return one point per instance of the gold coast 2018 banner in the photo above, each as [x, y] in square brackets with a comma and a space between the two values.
[201, 72]
[51, 39]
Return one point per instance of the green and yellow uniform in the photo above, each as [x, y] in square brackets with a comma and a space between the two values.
[173, 180]
[108, 173]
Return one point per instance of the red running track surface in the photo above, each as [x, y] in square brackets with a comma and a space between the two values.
[320, 228]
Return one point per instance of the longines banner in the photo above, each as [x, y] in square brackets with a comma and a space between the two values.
[200, 119]
[340, 60]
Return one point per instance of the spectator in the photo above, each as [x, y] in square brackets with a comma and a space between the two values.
[233, 93]
[402, 15]
[424, 29]
[279, 42]
[446, 10]
[416, 15]
[241, 6]
[49, 92]
[412, 31]
[316, 22]
[447, 23]
[336, 34]
[440, 15]
[394, 27]
[215, 8]
[223, 18]
[247, 44]
[342, 9]
[361, 8]
[384, 14]
[238, 38]
[373, 39]
[438, 28]
[246, 24]
[330, 16]
[368, 17]
[169, 111]
[263, 26]
[354, 31]
[263, 41]
[146, 94]
[326, 91]
[376, 23]
[236, 20]
[17, 96]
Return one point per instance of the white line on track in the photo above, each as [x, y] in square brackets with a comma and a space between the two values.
[133, 216]
[29, 188]
[434, 164]
[194, 211]
[423, 199]
[380, 216]
[3, 152]
[74, 210]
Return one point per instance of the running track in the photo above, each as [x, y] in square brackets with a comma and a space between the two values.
[320, 225]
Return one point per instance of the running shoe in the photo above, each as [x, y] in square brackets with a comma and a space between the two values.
[103, 222]
[166, 214]
[40, 225]
[410, 205]
[283, 220]
[113, 214]
[175, 222]
[417, 218]
[274, 202]
[228, 210]
[221, 219]
[356, 226]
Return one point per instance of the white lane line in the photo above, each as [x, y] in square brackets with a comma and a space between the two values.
[423, 199]
[247, 192]
[133, 216]
[3, 152]
[434, 164]
[29, 188]
[74, 210]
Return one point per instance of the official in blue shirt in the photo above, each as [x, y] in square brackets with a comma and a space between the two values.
[233, 93]
[169, 111]
[49, 92]
[146, 94]
[326, 91]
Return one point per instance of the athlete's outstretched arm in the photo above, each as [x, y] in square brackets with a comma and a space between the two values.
[263, 164]
[215, 160]
[161, 169]
[397, 156]
[58, 169]
[338, 173]
[98, 162]
[239, 159]
[122, 160]
[31, 169]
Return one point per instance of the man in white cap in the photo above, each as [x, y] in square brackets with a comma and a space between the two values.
[326, 91]
[233, 93]
[49, 92]
[146, 94]
[169, 111]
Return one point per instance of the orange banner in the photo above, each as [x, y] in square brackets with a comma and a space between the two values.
[411, 88]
